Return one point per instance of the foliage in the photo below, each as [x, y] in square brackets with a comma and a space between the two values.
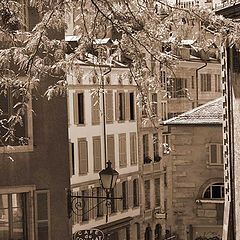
[31, 55]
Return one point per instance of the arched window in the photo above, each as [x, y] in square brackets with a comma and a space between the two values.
[214, 191]
[148, 233]
[158, 232]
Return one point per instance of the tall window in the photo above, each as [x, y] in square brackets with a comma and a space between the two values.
[99, 202]
[205, 82]
[97, 160]
[111, 149]
[214, 191]
[165, 176]
[71, 159]
[132, 106]
[43, 215]
[121, 106]
[122, 150]
[157, 192]
[125, 195]
[163, 79]
[164, 111]
[14, 134]
[216, 154]
[80, 108]
[166, 143]
[147, 194]
[83, 155]
[13, 216]
[178, 87]
[135, 193]
[217, 83]
[109, 106]
[85, 206]
[113, 201]
[154, 104]
[133, 148]
[146, 158]
[156, 147]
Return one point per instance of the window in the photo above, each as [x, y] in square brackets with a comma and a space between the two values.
[111, 149]
[113, 201]
[120, 109]
[193, 84]
[164, 111]
[178, 87]
[163, 79]
[97, 160]
[157, 192]
[133, 148]
[14, 134]
[146, 158]
[205, 82]
[122, 150]
[99, 202]
[95, 109]
[158, 232]
[71, 159]
[109, 107]
[43, 215]
[147, 194]
[166, 143]
[13, 216]
[217, 83]
[83, 155]
[156, 147]
[135, 193]
[165, 176]
[154, 104]
[78, 102]
[85, 206]
[132, 106]
[216, 154]
[214, 191]
[125, 195]
[148, 234]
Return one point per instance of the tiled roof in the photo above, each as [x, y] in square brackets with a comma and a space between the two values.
[209, 113]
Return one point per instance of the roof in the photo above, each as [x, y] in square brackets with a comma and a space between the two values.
[209, 113]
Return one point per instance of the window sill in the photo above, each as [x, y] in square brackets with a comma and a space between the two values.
[16, 149]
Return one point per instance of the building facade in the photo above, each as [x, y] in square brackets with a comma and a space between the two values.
[195, 193]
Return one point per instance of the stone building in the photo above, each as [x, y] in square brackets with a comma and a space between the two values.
[195, 185]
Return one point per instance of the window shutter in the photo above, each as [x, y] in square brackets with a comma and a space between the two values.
[119, 194]
[130, 194]
[116, 106]
[133, 148]
[127, 104]
[95, 109]
[111, 149]
[109, 107]
[97, 154]
[75, 108]
[213, 153]
[83, 156]
[122, 150]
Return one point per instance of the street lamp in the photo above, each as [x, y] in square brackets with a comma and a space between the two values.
[108, 178]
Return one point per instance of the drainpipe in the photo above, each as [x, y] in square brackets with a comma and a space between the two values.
[197, 98]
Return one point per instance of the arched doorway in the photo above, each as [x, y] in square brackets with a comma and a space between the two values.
[158, 232]
[148, 233]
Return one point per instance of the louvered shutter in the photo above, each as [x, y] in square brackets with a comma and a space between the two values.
[122, 150]
[130, 194]
[95, 109]
[75, 108]
[127, 108]
[111, 149]
[119, 194]
[83, 156]
[116, 106]
[97, 154]
[133, 148]
[109, 107]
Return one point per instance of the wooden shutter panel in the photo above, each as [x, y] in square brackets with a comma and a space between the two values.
[111, 149]
[109, 107]
[75, 108]
[95, 109]
[97, 154]
[127, 108]
[116, 106]
[122, 150]
[130, 194]
[133, 148]
[119, 191]
[83, 156]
